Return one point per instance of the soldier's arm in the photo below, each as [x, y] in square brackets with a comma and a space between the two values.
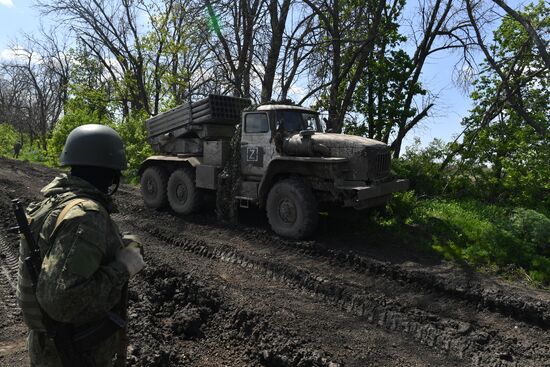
[76, 282]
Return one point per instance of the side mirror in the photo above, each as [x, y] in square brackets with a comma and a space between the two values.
[329, 129]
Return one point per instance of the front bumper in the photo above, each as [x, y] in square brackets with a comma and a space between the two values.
[374, 195]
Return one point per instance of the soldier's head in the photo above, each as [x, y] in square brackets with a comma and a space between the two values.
[95, 153]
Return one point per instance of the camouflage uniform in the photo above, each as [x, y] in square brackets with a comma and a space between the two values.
[80, 281]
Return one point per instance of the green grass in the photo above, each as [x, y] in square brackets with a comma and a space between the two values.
[481, 235]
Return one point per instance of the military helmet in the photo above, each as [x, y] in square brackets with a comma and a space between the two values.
[94, 145]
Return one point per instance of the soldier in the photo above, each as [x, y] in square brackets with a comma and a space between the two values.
[86, 263]
[16, 149]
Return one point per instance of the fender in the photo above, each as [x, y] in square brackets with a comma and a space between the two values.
[303, 166]
[169, 160]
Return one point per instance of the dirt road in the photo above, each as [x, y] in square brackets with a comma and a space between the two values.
[214, 294]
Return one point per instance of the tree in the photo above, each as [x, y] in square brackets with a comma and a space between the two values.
[179, 59]
[516, 62]
[442, 28]
[348, 32]
[374, 86]
[378, 101]
[497, 133]
[235, 44]
[35, 84]
[278, 14]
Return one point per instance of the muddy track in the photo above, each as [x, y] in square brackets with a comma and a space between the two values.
[9, 260]
[467, 287]
[180, 308]
[8, 278]
[529, 309]
[216, 294]
[462, 285]
[465, 340]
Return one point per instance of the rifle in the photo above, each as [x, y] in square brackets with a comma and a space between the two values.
[68, 344]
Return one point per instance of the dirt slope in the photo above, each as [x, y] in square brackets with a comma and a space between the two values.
[221, 295]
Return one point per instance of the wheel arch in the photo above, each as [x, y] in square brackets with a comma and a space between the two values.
[286, 167]
[169, 163]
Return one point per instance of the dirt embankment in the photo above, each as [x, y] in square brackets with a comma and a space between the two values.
[220, 295]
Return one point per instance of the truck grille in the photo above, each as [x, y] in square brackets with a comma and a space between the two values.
[378, 164]
[382, 163]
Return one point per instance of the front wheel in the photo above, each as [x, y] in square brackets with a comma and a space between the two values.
[183, 195]
[292, 209]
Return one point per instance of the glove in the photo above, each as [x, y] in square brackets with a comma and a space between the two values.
[130, 257]
[131, 240]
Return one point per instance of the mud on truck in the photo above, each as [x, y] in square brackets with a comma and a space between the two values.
[286, 164]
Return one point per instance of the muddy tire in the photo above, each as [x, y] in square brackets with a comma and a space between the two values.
[183, 195]
[153, 187]
[292, 209]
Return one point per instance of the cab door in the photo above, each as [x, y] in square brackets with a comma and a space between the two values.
[257, 149]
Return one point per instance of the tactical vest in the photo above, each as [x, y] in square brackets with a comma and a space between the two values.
[44, 219]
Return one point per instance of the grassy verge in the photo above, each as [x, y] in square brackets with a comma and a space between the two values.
[510, 241]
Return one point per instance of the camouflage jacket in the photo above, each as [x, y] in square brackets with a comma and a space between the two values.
[79, 280]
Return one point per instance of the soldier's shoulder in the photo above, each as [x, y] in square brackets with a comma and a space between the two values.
[80, 207]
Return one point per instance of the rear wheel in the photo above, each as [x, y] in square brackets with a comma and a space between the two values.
[292, 209]
[153, 187]
[183, 195]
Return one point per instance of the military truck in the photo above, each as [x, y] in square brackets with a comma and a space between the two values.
[286, 164]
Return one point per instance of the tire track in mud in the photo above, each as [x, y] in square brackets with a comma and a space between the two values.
[8, 274]
[530, 309]
[459, 286]
[178, 307]
[479, 345]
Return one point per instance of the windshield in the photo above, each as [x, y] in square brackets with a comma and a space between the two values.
[299, 120]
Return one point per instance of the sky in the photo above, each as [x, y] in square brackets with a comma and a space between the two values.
[18, 16]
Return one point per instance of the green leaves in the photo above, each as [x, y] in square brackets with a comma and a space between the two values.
[132, 131]
[513, 153]
[8, 137]
[485, 235]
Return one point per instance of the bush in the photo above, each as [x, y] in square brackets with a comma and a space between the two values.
[463, 177]
[488, 235]
[133, 133]
[8, 137]
[532, 227]
[421, 168]
[33, 152]
[402, 206]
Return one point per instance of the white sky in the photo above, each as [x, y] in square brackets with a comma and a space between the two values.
[7, 3]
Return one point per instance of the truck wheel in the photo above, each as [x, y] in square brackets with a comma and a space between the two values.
[292, 209]
[153, 187]
[183, 195]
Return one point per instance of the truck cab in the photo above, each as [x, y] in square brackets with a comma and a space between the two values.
[281, 161]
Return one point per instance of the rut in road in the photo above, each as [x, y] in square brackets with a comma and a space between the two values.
[532, 308]
[480, 345]
[8, 278]
[177, 307]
